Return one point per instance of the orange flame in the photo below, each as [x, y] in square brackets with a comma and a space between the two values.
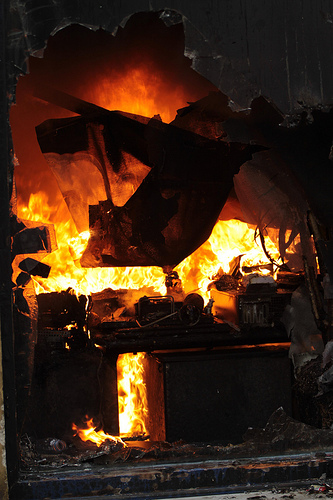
[132, 398]
[89, 433]
[228, 240]
[66, 271]
[141, 90]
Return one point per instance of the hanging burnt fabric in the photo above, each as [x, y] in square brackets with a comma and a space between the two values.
[154, 191]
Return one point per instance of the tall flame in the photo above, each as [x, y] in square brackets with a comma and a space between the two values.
[132, 398]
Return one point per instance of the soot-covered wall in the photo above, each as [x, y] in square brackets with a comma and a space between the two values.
[278, 49]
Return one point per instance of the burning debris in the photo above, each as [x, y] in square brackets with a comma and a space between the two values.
[209, 206]
[189, 179]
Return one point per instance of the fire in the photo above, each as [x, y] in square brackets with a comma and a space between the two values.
[141, 90]
[229, 239]
[132, 398]
[89, 433]
[66, 271]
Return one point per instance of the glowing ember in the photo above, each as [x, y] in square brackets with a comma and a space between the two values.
[89, 433]
[132, 397]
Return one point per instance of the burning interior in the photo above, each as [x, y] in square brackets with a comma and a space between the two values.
[170, 270]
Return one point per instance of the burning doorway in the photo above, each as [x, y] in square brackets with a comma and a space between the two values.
[197, 122]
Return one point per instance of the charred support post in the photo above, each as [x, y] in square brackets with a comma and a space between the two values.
[109, 395]
[324, 252]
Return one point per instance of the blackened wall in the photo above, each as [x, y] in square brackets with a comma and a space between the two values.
[277, 48]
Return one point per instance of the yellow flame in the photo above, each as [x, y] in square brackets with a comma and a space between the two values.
[89, 433]
[66, 271]
[143, 89]
[229, 239]
[132, 398]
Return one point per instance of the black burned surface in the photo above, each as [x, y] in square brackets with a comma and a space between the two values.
[176, 336]
[243, 48]
[281, 435]
[171, 480]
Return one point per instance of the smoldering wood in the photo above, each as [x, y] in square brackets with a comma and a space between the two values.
[179, 337]
[153, 378]
[59, 309]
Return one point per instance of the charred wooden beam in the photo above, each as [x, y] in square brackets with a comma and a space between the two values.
[204, 337]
